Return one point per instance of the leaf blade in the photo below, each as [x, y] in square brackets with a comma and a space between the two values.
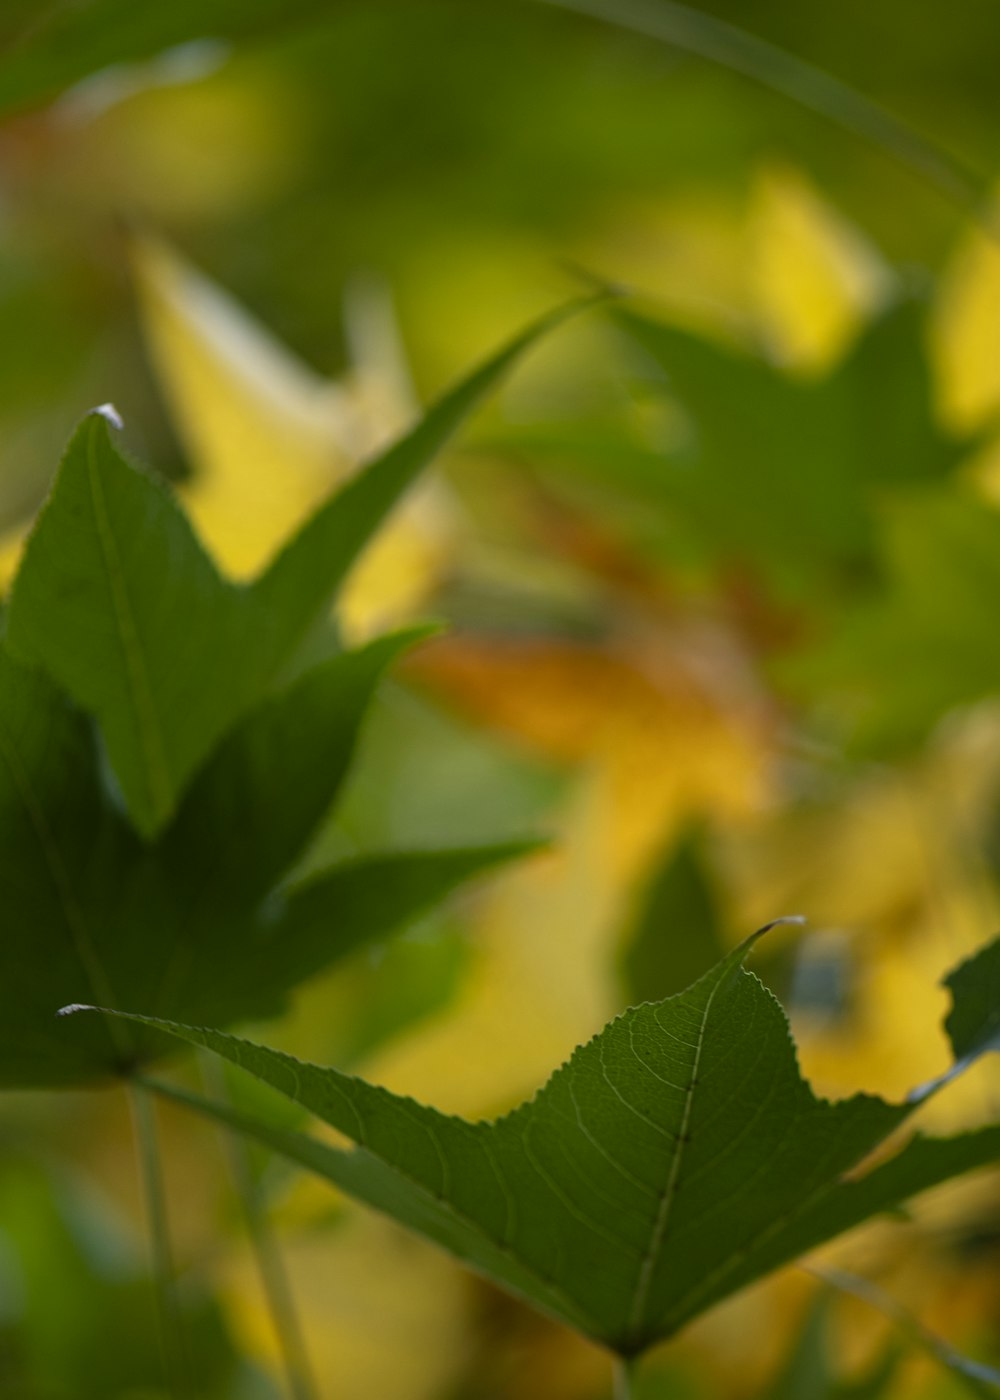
[759, 1164]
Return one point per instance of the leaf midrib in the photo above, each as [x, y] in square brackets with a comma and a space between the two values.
[651, 1256]
[149, 731]
[76, 924]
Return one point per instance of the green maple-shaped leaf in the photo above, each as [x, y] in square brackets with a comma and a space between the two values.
[198, 923]
[675, 1158]
[119, 603]
[770, 471]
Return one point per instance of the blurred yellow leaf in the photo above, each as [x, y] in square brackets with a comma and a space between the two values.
[965, 345]
[813, 278]
[269, 438]
[966, 331]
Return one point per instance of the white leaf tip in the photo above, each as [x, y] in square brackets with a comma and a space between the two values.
[74, 1007]
[799, 920]
[110, 414]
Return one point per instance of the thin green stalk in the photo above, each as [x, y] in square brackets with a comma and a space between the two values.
[976, 1376]
[150, 1164]
[624, 1378]
[726, 44]
[270, 1264]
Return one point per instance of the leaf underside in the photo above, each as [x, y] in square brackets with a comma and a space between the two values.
[676, 1157]
[201, 919]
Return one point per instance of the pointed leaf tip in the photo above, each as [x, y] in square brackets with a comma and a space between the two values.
[74, 1007]
[111, 415]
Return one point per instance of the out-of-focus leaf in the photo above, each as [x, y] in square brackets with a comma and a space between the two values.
[677, 935]
[897, 665]
[198, 920]
[782, 472]
[77, 1318]
[267, 437]
[809, 1372]
[117, 600]
[674, 1159]
[307, 573]
[378, 892]
[814, 276]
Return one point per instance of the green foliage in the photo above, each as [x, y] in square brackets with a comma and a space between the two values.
[199, 919]
[783, 473]
[677, 934]
[810, 1371]
[172, 745]
[182, 904]
[672, 1160]
[76, 1318]
[895, 664]
[117, 600]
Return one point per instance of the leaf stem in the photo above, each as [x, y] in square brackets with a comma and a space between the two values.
[689, 29]
[624, 1378]
[150, 1166]
[270, 1263]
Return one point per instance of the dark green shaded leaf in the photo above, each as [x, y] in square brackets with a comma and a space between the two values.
[198, 920]
[269, 783]
[973, 1024]
[674, 1159]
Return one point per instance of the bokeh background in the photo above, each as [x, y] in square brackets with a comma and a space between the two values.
[720, 571]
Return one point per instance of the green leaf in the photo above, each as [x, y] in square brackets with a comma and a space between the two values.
[119, 603]
[199, 923]
[269, 783]
[675, 1158]
[973, 1024]
[897, 664]
[296, 588]
[783, 473]
[372, 893]
[678, 933]
[117, 600]
[810, 1371]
